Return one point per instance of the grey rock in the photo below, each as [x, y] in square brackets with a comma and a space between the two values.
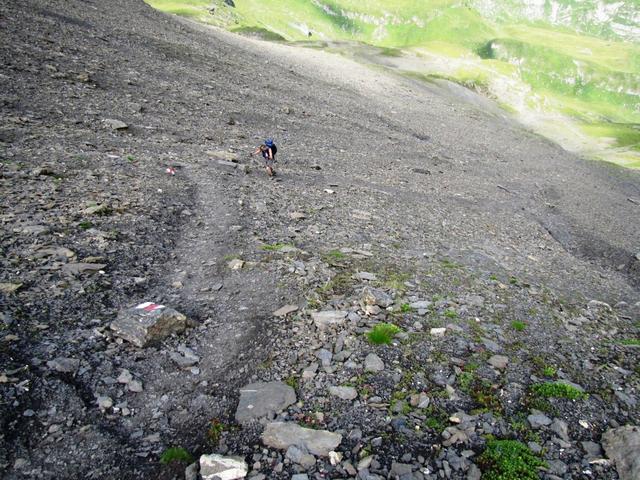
[421, 305]
[80, 268]
[538, 420]
[114, 124]
[64, 365]
[260, 399]
[535, 447]
[300, 476]
[491, 345]
[420, 400]
[96, 209]
[474, 472]
[453, 436]
[373, 363]
[328, 317]
[375, 296]
[143, 326]
[185, 359]
[318, 442]
[499, 361]
[300, 456]
[286, 310]
[557, 466]
[104, 402]
[125, 377]
[191, 472]
[345, 393]
[217, 467]
[33, 229]
[629, 400]
[622, 445]
[474, 300]
[560, 428]
[400, 469]
[134, 386]
[227, 165]
[592, 449]
[325, 357]
[366, 276]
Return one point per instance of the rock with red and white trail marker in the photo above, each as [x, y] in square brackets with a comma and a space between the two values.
[148, 324]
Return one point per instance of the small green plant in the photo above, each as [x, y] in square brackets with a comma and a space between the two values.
[486, 396]
[513, 281]
[509, 460]
[465, 379]
[557, 390]
[216, 427]
[518, 325]
[446, 263]
[131, 158]
[175, 454]
[338, 285]
[85, 225]
[292, 382]
[549, 371]
[275, 247]
[631, 342]
[450, 313]
[405, 308]
[382, 333]
[395, 281]
[333, 257]
[436, 418]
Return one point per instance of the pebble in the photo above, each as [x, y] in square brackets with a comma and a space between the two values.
[373, 363]
[104, 402]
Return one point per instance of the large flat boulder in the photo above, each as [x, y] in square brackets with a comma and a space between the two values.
[148, 323]
[258, 400]
[329, 317]
[622, 445]
[217, 467]
[282, 435]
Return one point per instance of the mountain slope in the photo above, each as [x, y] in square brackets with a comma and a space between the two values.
[501, 237]
[560, 66]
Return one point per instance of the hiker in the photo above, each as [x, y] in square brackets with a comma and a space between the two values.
[268, 150]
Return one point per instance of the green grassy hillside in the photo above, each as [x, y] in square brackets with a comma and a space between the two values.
[569, 69]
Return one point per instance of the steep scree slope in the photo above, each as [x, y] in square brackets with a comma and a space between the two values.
[91, 222]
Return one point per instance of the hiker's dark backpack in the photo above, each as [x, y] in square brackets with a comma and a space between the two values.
[269, 143]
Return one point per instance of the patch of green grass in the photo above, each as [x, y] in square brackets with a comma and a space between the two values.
[85, 225]
[634, 342]
[450, 264]
[176, 454]
[557, 390]
[292, 381]
[396, 281]
[549, 371]
[275, 247]
[335, 255]
[450, 313]
[486, 396]
[518, 325]
[509, 460]
[382, 333]
[406, 308]
[339, 284]
[131, 158]
[216, 427]
[465, 380]
[436, 418]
